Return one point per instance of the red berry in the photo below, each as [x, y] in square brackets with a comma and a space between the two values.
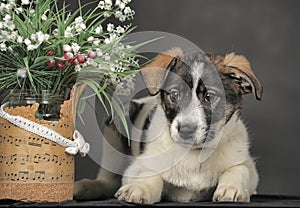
[68, 56]
[92, 54]
[74, 62]
[51, 62]
[61, 64]
[81, 58]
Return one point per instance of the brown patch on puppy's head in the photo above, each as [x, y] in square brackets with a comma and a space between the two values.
[155, 73]
[238, 68]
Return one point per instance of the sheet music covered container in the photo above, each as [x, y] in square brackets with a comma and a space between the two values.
[33, 168]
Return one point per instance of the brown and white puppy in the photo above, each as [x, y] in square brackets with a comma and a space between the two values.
[198, 120]
[202, 150]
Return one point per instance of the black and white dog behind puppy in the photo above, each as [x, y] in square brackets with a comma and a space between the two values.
[200, 117]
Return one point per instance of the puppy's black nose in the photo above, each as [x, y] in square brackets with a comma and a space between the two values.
[186, 130]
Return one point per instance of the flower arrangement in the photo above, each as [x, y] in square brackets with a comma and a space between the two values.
[46, 47]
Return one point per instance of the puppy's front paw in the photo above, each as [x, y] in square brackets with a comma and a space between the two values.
[231, 193]
[136, 193]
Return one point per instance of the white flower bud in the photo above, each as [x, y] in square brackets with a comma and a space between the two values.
[25, 2]
[110, 27]
[27, 41]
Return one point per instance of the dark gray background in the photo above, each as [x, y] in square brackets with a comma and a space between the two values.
[267, 33]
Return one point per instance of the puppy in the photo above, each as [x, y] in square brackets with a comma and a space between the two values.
[196, 146]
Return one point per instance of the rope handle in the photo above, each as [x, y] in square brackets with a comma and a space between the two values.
[72, 147]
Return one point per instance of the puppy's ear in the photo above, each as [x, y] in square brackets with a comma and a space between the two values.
[155, 73]
[238, 68]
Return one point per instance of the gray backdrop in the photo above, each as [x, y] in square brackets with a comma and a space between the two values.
[267, 33]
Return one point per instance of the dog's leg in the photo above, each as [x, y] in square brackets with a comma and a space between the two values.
[237, 183]
[107, 183]
[147, 190]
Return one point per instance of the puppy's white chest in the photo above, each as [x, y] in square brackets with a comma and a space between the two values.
[191, 174]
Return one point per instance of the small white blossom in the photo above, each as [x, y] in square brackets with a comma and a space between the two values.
[78, 20]
[1, 25]
[90, 39]
[55, 32]
[31, 11]
[99, 52]
[122, 5]
[97, 42]
[3, 47]
[22, 73]
[77, 68]
[107, 14]
[33, 37]
[25, 2]
[99, 29]
[110, 27]
[68, 32]
[31, 47]
[9, 7]
[126, 1]
[44, 17]
[127, 10]
[19, 10]
[101, 4]
[7, 18]
[27, 41]
[20, 39]
[75, 48]
[120, 30]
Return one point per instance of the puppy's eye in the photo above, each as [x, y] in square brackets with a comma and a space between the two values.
[174, 95]
[210, 97]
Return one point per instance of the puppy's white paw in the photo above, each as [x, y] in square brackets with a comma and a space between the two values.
[231, 193]
[136, 193]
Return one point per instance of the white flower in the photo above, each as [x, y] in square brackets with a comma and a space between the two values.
[122, 18]
[118, 2]
[75, 48]
[9, 7]
[13, 35]
[7, 18]
[44, 17]
[2, 47]
[68, 32]
[122, 5]
[78, 20]
[25, 2]
[110, 27]
[99, 29]
[10, 25]
[126, 1]
[55, 31]
[99, 52]
[107, 41]
[31, 11]
[33, 37]
[20, 39]
[101, 4]
[27, 41]
[120, 30]
[90, 39]
[19, 10]
[107, 14]
[127, 10]
[118, 14]
[22, 73]
[77, 68]
[97, 42]
[31, 47]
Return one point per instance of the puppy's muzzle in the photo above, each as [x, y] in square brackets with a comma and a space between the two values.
[187, 131]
